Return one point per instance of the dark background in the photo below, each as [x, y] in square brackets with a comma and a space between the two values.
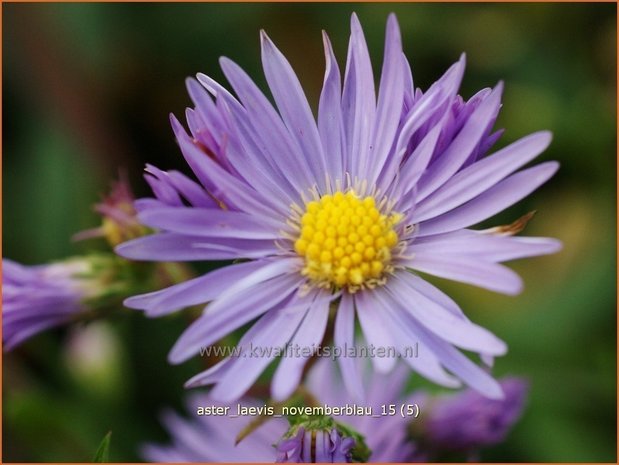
[87, 90]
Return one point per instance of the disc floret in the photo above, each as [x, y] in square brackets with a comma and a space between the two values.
[346, 240]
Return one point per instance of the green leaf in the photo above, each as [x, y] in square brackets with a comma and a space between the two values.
[103, 452]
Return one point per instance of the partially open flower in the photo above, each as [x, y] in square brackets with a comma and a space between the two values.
[318, 445]
[119, 223]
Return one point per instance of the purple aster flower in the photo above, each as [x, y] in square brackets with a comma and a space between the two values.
[214, 438]
[37, 298]
[342, 211]
[468, 421]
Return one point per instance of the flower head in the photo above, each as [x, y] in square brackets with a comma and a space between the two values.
[340, 212]
[37, 298]
[350, 438]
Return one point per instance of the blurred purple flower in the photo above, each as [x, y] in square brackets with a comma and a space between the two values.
[213, 438]
[37, 298]
[467, 421]
[340, 211]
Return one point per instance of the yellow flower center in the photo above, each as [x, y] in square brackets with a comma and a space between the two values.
[346, 241]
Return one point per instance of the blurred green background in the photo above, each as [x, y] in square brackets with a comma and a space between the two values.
[87, 91]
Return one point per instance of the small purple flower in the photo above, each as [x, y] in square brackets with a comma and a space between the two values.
[467, 421]
[37, 298]
[315, 446]
[342, 211]
[385, 435]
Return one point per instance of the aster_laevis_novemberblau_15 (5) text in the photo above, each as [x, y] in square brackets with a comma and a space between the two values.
[333, 217]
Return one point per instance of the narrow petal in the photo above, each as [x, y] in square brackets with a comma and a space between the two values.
[179, 247]
[308, 337]
[280, 146]
[248, 153]
[272, 332]
[330, 123]
[209, 223]
[211, 375]
[452, 159]
[390, 102]
[374, 329]
[413, 168]
[206, 109]
[456, 330]
[161, 187]
[293, 107]
[190, 190]
[221, 184]
[358, 101]
[450, 357]
[487, 246]
[230, 314]
[320, 454]
[432, 292]
[481, 176]
[192, 292]
[426, 363]
[502, 195]
[435, 100]
[468, 270]
[344, 337]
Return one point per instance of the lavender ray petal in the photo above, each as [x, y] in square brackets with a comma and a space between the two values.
[482, 175]
[280, 146]
[293, 107]
[440, 94]
[344, 337]
[330, 122]
[458, 331]
[211, 223]
[358, 101]
[426, 364]
[231, 311]
[251, 158]
[468, 270]
[461, 147]
[273, 331]
[310, 335]
[180, 247]
[374, 329]
[221, 184]
[497, 198]
[485, 245]
[450, 357]
[192, 292]
[190, 190]
[390, 102]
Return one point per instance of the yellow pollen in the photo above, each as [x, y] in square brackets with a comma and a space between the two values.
[346, 241]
